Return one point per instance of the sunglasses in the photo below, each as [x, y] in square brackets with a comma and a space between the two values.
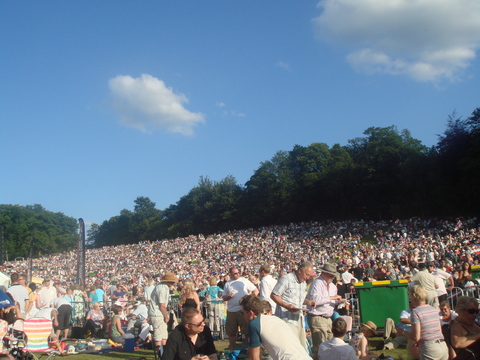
[199, 324]
[472, 311]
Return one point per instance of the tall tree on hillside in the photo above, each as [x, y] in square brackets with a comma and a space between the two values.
[268, 191]
[379, 158]
[145, 219]
[52, 232]
[458, 150]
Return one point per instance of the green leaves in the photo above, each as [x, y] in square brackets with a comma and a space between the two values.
[52, 232]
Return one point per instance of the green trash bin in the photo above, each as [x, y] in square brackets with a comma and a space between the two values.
[476, 272]
[379, 300]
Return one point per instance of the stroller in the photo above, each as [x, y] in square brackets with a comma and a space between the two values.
[15, 342]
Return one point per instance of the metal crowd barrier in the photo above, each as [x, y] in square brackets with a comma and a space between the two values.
[473, 291]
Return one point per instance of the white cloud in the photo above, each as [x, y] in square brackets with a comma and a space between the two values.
[233, 113]
[283, 65]
[145, 103]
[428, 40]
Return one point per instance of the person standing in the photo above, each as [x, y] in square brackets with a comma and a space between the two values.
[19, 293]
[440, 278]
[157, 309]
[289, 295]
[426, 329]
[64, 315]
[47, 292]
[427, 280]
[235, 289]
[323, 295]
[267, 283]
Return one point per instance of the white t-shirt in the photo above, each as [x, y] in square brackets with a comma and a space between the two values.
[242, 287]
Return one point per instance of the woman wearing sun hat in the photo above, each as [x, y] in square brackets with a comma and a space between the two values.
[360, 342]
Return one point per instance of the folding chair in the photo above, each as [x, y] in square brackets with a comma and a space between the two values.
[37, 331]
[349, 321]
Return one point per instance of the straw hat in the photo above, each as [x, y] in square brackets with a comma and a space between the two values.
[170, 277]
[329, 269]
[370, 325]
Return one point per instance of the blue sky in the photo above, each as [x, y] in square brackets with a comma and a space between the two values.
[105, 101]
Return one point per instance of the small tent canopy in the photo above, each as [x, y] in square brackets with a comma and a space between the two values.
[4, 280]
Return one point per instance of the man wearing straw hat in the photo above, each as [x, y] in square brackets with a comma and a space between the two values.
[323, 293]
[157, 310]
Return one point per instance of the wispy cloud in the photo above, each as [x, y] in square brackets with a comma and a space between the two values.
[283, 65]
[147, 104]
[233, 113]
[427, 40]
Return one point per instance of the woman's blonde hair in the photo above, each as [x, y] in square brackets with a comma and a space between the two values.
[213, 281]
[188, 287]
[418, 292]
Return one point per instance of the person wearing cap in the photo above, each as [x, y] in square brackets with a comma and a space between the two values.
[360, 343]
[289, 295]
[138, 319]
[427, 280]
[157, 309]
[47, 292]
[323, 298]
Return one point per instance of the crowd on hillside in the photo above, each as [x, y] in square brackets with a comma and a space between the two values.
[393, 246]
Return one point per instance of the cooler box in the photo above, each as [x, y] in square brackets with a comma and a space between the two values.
[128, 342]
[379, 300]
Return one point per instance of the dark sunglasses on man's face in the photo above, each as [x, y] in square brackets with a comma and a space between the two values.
[472, 311]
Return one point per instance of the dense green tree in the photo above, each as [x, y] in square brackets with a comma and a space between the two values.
[51, 232]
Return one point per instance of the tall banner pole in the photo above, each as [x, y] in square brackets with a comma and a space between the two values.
[2, 247]
[30, 259]
[81, 254]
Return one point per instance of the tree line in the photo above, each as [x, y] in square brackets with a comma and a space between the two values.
[33, 230]
[384, 174]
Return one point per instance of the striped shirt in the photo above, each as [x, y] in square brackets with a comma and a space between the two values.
[427, 317]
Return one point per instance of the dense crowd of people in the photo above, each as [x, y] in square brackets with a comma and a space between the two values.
[295, 254]
[199, 257]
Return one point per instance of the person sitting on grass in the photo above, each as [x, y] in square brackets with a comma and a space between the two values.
[117, 332]
[336, 348]
[360, 341]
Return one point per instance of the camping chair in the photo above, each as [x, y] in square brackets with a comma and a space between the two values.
[37, 331]
[349, 321]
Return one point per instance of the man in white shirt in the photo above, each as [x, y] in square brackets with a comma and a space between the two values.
[234, 290]
[323, 294]
[440, 278]
[271, 332]
[138, 319]
[47, 292]
[336, 348]
[266, 285]
[19, 293]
